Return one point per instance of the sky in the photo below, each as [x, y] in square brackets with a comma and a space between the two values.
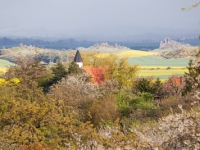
[98, 19]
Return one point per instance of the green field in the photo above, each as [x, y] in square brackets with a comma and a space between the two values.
[157, 66]
[4, 64]
[158, 61]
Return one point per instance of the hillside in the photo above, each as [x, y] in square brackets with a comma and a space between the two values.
[104, 48]
[168, 43]
[4, 64]
[179, 53]
[46, 55]
[170, 49]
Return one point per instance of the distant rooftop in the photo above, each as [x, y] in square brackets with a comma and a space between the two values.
[97, 73]
[78, 57]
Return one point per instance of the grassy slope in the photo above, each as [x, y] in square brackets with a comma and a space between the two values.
[4, 64]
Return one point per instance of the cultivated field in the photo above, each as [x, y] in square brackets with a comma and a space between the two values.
[158, 61]
[135, 53]
[157, 66]
[161, 71]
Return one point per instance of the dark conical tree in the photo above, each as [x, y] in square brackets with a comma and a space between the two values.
[192, 77]
[74, 69]
[58, 72]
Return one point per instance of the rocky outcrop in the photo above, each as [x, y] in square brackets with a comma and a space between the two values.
[172, 49]
[168, 43]
[103, 47]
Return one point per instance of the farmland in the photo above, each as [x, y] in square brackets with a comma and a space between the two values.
[161, 71]
[158, 61]
[135, 53]
[157, 66]
[150, 64]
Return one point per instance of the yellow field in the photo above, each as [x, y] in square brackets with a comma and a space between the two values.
[135, 53]
[161, 67]
[161, 71]
[101, 55]
[3, 69]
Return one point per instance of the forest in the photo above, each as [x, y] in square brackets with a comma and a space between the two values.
[59, 107]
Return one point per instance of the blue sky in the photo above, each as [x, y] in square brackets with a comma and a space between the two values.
[104, 19]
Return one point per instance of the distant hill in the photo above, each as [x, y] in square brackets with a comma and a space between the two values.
[69, 43]
[194, 41]
[173, 49]
[103, 48]
[51, 56]
[46, 55]
[167, 43]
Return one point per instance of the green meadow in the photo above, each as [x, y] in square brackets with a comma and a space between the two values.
[158, 61]
[160, 67]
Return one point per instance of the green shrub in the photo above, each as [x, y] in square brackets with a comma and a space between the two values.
[124, 108]
[124, 104]
[105, 110]
[143, 102]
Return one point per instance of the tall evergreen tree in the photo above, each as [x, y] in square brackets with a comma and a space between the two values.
[74, 69]
[192, 77]
[58, 72]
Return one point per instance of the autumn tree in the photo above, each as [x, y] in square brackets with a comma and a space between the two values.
[118, 68]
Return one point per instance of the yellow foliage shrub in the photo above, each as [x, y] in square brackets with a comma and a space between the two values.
[10, 81]
[14, 80]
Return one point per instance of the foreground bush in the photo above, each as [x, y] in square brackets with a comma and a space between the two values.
[104, 110]
[176, 131]
[29, 117]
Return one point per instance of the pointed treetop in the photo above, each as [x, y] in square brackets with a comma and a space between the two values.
[78, 57]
